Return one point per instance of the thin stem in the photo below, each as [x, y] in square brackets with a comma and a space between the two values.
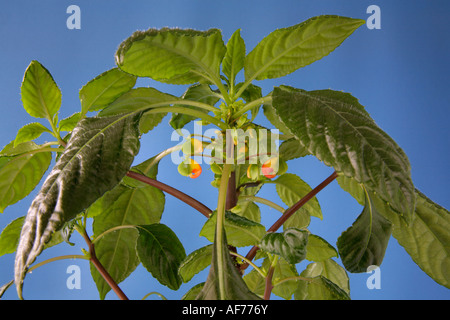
[154, 292]
[191, 112]
[249, 262]
[296, 278]
[101, 269]
[219, 238]
[289, 212]
[172, 191]
[104, 233]
[266, 202]
[269, 286]
[70, 256]
[252, 104]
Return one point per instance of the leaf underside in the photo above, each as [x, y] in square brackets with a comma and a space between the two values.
[336, 129]
[97, 156]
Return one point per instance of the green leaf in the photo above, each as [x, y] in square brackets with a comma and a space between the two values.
[291, 244]
[283, 270]
[288, 49]
[120, 207]
[233, 61]
[291, 188]
[240, 231]
[137, 100]
[234, 287]
[41, 96]
[426, 239]
[292, 149]
[173, 55]
[339, 132]
[69, 123]
[195, 262]
[320, 288]
[97, 156]
[196, 92]
[365, 242]
[30, 132]
[104, 89]
[161, 253]
[193, 292]
[9, 238]
[21, 174]
[331, 270]
[130, 203]
[318, 249]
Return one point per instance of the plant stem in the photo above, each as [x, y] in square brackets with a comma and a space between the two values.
[219, 238]
[70, 256]
[269, 286]
[289, 212]
[252, 104]
[101, 269]
[172, 191]
[266, 202]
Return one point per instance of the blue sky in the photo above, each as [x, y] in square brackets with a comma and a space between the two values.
[399, 73]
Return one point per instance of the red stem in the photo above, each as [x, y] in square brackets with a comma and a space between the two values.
[101, 269]
[172, 191]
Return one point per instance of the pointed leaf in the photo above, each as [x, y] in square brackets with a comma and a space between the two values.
[9, 238]
[365, 242]
[172, 55]
[97, 156]
[339, 132]
[234, 287]
[240, 231]
[291, 188]
[286, 50]
[331, 270]
[21, 174]
[161, 253]
[320, 288]
[104, 89]
[291, 244]
[41, 96]
[318, 249]
[195, 262]
[234, 59]
[426, 239]
[69, 123]
[30, 132]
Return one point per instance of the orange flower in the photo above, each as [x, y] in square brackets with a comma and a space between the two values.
[270, 168]
[196, 170]
[191, 169]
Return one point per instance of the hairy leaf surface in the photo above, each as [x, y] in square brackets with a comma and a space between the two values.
[97, 156]
[285, 50]
[172, 55]
[338, 131]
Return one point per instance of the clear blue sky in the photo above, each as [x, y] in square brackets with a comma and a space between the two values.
[399, 73]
